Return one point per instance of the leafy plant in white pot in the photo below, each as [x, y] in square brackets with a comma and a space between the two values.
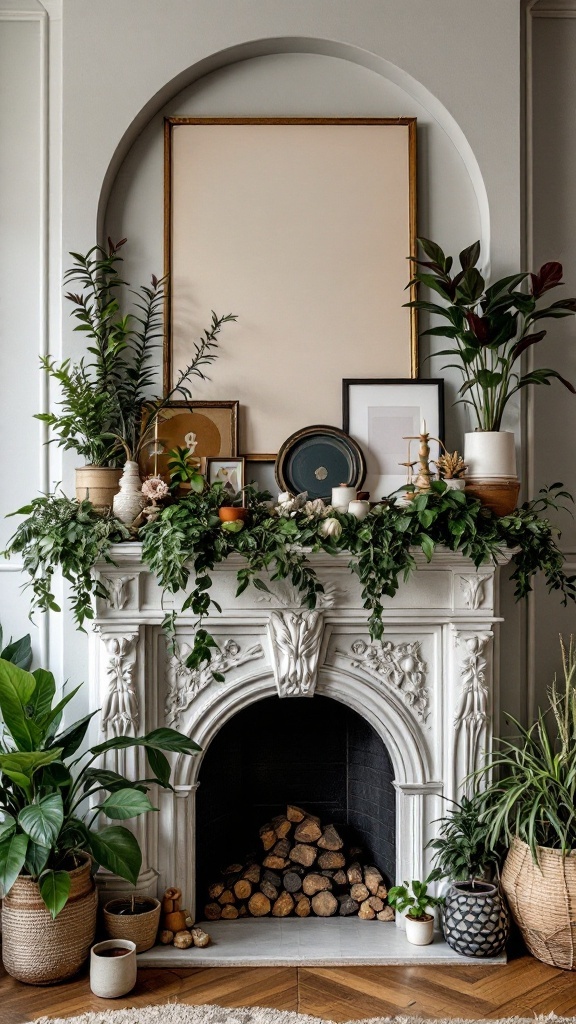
[414, 898]
[491, 328]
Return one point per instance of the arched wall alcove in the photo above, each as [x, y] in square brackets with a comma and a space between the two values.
[296, 77]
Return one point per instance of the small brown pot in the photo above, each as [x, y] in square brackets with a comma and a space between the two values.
[500, 496]
[230, 514]
[98, 484]
[140, 928]
[42, 951]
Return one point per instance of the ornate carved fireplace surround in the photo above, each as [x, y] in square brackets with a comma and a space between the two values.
[428, 689]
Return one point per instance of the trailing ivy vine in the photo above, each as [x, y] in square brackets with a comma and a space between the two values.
[187, 540]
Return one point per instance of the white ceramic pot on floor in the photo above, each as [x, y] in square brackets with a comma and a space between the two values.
[113, 976]
[419, 930]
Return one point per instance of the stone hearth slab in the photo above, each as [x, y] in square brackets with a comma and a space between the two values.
[292, 942]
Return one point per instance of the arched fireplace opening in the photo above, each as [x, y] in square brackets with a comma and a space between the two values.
[316, 753]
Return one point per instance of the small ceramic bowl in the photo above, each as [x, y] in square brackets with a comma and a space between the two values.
[113, 976]
[230, 514]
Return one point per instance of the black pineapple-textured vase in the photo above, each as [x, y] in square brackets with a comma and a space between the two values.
[476, 919]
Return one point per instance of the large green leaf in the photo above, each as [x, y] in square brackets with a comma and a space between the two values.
[117, 850]
[27, 762]
[16, 689]
[126, 803]
[36, 858]
[51, 721]
[19, 652]
[7, 826]
[54, 890]
[170, 739]
[41, 700]
[12, 857]
[111, 781]
[72, 737]
[42, 821]
[159, 764]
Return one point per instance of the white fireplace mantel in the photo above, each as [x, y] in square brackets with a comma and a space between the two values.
[428, 688]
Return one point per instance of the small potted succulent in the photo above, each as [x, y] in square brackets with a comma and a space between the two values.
[451, 468]
[414, 898]
[184, 470]
[232, 511]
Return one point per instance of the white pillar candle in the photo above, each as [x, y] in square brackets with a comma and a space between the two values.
[342, 496]
[423, 427]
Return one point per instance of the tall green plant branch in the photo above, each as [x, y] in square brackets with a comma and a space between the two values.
[491, 326]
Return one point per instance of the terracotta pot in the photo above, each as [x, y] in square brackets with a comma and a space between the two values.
[141, 928]
[419, 930]
[42, 951]
[98, 484]
[501, 496]
[230, 514]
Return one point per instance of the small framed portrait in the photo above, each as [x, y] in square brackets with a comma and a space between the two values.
[207, 429]
[228, 472]
[380, 414]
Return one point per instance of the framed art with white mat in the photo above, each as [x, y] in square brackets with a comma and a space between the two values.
[380, 413]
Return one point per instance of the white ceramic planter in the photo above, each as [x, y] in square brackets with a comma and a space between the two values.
[129, 501]
[454, 483]
[490, 455]
[111, 976]
[419, 932]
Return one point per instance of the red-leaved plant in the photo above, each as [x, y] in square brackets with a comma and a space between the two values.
[491, 326]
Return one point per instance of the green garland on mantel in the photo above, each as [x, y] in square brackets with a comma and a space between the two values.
[184, 543]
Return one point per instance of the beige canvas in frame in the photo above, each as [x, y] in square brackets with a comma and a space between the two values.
[302, 229]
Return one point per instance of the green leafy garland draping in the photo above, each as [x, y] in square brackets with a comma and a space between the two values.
[185, 542]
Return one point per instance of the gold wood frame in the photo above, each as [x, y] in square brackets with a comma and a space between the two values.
[194, 187]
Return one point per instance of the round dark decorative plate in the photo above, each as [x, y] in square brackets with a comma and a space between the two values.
[318, 458]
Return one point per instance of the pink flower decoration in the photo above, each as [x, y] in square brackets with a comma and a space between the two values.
[154, 488]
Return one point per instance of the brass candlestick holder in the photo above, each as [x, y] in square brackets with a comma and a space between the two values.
[423, 481]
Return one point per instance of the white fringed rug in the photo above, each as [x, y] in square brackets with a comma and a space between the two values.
[180, 1013]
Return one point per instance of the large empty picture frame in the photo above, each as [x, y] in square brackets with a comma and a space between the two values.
[302, 228]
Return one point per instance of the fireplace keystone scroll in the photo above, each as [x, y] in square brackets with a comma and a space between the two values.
[295, 638]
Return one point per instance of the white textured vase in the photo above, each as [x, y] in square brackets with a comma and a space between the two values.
[129, 501]
[454, 483]
[490, 454]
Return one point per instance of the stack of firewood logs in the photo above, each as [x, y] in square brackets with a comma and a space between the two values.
[303, 869]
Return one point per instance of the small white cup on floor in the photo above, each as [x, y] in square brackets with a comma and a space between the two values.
[113, 976]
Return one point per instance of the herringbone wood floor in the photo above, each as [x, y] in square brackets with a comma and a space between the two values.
[523, 987]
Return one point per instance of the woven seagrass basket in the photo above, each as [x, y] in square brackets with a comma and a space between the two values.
[141, 928]
[42, 951]
[542, 899]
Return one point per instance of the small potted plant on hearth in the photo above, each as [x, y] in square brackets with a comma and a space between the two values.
[491, 326]
[50, 844]
[475, 917]
[414, 898]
